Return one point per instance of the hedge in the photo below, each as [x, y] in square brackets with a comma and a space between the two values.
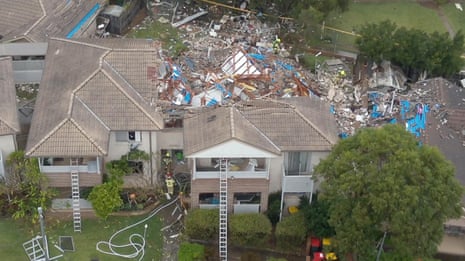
[202, 224]
[249, 229]
[291, 232]
[191, 252]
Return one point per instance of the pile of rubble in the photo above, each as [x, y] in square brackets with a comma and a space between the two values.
[234, 57]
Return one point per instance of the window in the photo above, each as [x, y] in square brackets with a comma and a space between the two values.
[298, 163]
[209, 198]
[247, 198]
[128, 136]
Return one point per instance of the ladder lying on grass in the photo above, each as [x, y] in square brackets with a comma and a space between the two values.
[74, 163]
[34, 250]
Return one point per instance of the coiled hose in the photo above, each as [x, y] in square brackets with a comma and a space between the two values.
[136, 241]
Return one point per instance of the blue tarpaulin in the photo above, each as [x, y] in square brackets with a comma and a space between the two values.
[257, 56]
[83, 21]
[285, 66]
[331, 109]
[226, 93]
[188, 98]
[404, 107]
[417, 123]
[212, 102]
[372, 96]
[375, 113]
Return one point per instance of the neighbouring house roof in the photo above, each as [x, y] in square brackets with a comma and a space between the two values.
[37, 20]
[89, 88]
[291, 124]
[9, 123]
[446, 122]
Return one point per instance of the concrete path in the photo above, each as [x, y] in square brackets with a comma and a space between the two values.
[445, 21]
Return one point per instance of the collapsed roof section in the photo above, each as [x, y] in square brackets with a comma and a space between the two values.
[242, 76]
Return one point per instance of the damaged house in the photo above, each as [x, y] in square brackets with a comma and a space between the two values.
[107, 101]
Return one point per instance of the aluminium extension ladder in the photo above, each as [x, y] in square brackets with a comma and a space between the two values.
[223, 226]
[74, 163]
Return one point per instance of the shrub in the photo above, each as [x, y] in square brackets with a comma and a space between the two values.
[274, 207]
[202, 224]
[105, 199]
[191, 252]
[85, 192]
[316, 216]
[290, 232]
[249, 229]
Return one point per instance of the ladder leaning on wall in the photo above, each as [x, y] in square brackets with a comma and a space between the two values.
[223, 231]
[74, 164]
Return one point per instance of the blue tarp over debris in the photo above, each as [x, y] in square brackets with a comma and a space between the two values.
[417, 123]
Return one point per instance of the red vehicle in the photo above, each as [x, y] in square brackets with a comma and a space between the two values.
[315, 251]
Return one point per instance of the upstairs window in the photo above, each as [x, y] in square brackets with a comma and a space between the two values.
[128, 136]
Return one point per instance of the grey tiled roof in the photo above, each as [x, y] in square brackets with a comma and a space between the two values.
[92, 94]
[9, 123]
[37, 20]
[66, 140]
[16, 17]
[267, 124]
[294, 127]
[211, 127]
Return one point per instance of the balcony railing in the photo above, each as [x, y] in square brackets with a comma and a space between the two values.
[231, 174]
[297, 184]
[91, 167]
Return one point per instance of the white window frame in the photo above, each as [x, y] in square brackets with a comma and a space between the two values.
[126, 134]
[306, 161]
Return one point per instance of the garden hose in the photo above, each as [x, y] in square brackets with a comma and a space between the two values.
[136, 241]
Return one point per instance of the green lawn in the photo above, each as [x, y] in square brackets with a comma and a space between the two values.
[406, 13]
[14, 235]
[164, 32]
[455, 16]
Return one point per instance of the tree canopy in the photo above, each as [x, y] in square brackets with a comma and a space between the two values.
[382, 180]
[106, 197]
[413, 50]
[25, 187]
